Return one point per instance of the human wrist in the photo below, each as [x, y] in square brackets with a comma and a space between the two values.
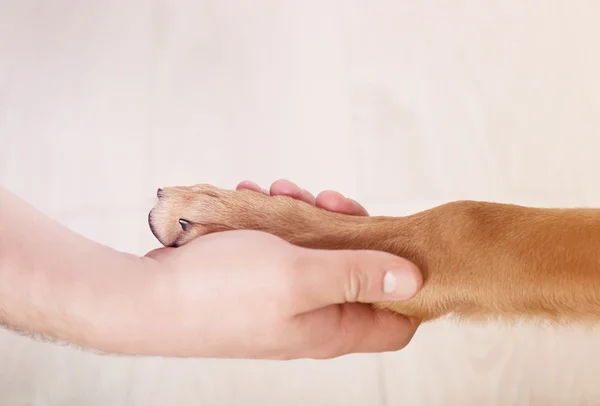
[89, 306]
[111, 311]
[59, 285]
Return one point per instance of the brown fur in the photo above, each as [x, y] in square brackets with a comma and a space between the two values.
[478, 259]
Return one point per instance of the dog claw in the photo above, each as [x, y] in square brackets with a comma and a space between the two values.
[184, 224]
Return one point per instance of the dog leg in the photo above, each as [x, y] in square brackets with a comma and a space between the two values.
[478, 259]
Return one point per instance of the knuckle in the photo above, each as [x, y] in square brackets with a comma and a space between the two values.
[356, 281]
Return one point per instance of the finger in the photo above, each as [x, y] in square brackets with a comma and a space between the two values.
[283, 187]
[334, 277]
[366, 329]
[334, 201]
[359, 328]
[249, 185]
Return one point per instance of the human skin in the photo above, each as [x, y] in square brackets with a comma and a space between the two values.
[239, 294]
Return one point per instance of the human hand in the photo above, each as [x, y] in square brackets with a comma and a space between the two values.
[248, 294]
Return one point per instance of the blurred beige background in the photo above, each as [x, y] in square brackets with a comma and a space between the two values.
[400, 104]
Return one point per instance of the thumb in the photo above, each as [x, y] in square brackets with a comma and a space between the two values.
[344, 276]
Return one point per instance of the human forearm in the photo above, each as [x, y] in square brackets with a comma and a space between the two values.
[60, 285]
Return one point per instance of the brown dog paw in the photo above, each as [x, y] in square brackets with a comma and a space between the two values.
[184, 213]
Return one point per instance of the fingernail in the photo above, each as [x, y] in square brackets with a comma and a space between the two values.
[400, 284]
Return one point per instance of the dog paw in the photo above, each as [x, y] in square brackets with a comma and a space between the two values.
[182, 214]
